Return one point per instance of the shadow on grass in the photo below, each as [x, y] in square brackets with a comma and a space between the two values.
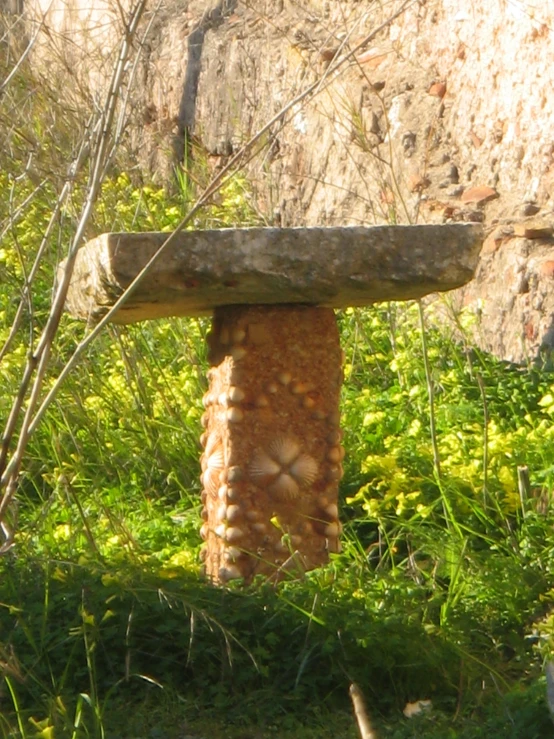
[128, 644]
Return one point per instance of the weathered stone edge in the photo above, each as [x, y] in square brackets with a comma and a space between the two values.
[333, 267]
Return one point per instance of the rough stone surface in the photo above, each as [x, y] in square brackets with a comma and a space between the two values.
[334, 267]
[527, 295]
[449, 97]
[79, 43]
[272, 453]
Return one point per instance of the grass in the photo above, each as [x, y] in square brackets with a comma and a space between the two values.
[443, 591]
[103, 605]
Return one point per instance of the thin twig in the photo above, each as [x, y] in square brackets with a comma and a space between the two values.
[431, 394]
[38, 361]
[52, 223]
[17, 67]
[524, 487]
[364, 724]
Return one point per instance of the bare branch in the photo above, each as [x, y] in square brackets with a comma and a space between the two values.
[17, 67]
[38, 361]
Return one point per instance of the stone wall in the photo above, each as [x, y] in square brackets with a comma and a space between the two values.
[79, 41]
[447, 115]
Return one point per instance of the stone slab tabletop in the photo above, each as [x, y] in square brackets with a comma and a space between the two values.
[331, 267]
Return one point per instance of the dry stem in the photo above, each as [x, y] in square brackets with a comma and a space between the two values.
[364, 724]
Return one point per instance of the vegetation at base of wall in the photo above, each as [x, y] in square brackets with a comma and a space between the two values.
[443, 591]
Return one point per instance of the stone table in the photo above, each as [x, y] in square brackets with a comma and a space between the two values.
[272, 453]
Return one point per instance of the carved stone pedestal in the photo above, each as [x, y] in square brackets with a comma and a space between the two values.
[272, 454]
[272, 443]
